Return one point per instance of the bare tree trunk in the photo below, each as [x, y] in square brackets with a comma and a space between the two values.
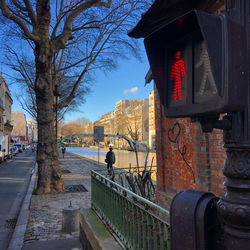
[49, 179]
[49, 174]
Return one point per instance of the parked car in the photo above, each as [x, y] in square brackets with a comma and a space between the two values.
[10, 155]
[4, 147]
[19, 146]
[15, 150]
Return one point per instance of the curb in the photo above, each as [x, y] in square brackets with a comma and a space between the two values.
[16, 242]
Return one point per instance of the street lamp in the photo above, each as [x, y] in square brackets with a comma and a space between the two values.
[57, 94]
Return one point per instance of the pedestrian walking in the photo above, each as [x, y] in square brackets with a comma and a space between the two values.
[110, 159]
[63, 150]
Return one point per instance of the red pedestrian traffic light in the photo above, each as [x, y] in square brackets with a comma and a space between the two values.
[176, 75]
[199, 65]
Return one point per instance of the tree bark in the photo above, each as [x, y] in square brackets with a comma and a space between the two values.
[49, 173]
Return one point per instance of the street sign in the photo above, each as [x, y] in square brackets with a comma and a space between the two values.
[199, 65]
[98, 133]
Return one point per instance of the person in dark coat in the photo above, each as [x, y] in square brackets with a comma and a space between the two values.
[63, 150]
[110, 158]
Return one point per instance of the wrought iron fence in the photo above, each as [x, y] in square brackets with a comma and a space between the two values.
[133, 218]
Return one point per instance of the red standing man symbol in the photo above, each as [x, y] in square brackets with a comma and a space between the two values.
[176, 75]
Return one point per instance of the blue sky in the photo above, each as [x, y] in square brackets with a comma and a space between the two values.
[126, 82]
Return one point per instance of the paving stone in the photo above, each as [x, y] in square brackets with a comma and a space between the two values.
[45, 218]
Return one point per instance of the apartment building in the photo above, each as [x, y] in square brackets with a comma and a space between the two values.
[31, 132]
[19, 132]
[107, 121]
[5, 118]
[129, 118]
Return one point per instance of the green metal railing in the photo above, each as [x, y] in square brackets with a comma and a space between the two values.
[136, 179]
[130, 216]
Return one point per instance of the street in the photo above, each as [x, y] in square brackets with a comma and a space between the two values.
[14, 180]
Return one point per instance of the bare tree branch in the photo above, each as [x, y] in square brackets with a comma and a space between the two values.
[21, 24]
[31, 13]
[74, 64]
[21, 15]
[92, 60]
[22, 70]
[61, 40]
[25, 106]
[19, 6]
[100, 22]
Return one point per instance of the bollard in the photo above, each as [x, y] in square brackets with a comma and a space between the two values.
[70, 222]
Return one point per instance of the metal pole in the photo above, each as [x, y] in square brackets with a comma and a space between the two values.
[234, 206]
[57, 93]
[118, 153]
[56, 119]
[98, 152]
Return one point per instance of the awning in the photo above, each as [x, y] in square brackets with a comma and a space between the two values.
[163, 11]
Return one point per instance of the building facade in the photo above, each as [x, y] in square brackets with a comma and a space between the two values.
[19, 132]
[129, 118]
[107, 121]
[31, 132]
[5, 117]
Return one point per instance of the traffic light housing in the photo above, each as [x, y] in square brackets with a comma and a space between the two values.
[199, 64]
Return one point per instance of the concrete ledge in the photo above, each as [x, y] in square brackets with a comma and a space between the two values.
[93, 234]
[16, 242]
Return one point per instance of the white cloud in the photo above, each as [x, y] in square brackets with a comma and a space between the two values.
[133, 90]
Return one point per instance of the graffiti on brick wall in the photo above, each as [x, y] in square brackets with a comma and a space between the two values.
[173, 136]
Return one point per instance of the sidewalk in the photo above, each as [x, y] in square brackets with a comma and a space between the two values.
[45, 219]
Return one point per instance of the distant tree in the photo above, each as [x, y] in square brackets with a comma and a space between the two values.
[71, 128]
[82, 121]
[76, 127]
[134, 127]
[90, 34]
[134, 119]
[121, 123]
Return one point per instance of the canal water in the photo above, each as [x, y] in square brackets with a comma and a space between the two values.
[123, 157]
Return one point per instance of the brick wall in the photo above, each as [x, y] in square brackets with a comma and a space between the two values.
[205, 156]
